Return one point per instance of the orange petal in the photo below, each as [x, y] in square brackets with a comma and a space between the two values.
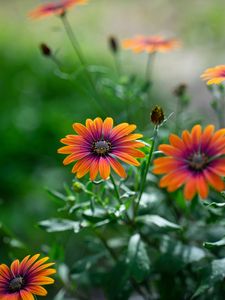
[214, 180]
[98, 125]
[126, 158]
[170, 150]
[81, 130]
[117, 167]
[37, 290]
[176, 142]
[104, 168]
[84, 167]
[25, 295]
[107, 126]
[190, 188]
[15, 267]
[202, 186]
[94, 169]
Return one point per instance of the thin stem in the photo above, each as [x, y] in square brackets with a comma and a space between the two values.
[116, 190]
[114, 257]
[143, 179]
[117, 63]
[104, 242]
[117, 194]
[149, 67]
[78, 51]
[178, 112]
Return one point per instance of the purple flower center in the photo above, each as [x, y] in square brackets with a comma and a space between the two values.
[101, 148]
[16, 284]
[198, 161]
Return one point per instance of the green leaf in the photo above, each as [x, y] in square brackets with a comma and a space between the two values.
[118, 284]
[215, 275]
[57, 195]
[214, 204]
[57, 225]
[174, 256]
[157, 224]
[137, 259]
[217, 244]
[86, 263]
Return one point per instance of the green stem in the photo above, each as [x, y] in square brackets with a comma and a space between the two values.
[117, 63]
[78, 51]
[143, 179]
[104, 242]
[149, 67]
[116, 190]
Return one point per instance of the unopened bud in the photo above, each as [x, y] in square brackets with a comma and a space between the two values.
[45, 50]
[78, 187]
[157, 115]
[180, 90]
[113, 44]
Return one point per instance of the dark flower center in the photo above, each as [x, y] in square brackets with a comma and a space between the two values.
[198, 161]
[101, 147]
[16, 284]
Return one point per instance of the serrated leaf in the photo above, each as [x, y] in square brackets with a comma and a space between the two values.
[57, 195]
[214, 204]
[156, 224]
[216, 274]
[217, 244]
[137, 258]
[57, 225]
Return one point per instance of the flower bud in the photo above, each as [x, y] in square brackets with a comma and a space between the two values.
[78, 187]
[45, 50]
[113, 44]
[157, 115]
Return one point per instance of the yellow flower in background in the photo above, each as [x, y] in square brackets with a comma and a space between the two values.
[54, 8]
[150, 44]
[214, 75]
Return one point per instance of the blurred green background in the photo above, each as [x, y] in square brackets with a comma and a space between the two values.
[38, 105]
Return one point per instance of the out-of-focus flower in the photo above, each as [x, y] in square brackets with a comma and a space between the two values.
[150, 44]
[196, 161]
[157, 115]
[214, 75]
[24, 279]
[99, 145]
[54, 8]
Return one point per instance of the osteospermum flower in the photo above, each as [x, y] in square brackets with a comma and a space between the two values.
[196, 161]
[214, 75]
[54, 8]
[24, 279]
[98, 146]
[150, 44]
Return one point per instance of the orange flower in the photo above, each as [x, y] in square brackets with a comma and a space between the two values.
[98, 146]
[214, 75]
[23, 280]
[54, 8]
[150, 44]
[196, 161]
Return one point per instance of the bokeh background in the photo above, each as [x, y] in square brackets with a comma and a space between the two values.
[38, 105]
